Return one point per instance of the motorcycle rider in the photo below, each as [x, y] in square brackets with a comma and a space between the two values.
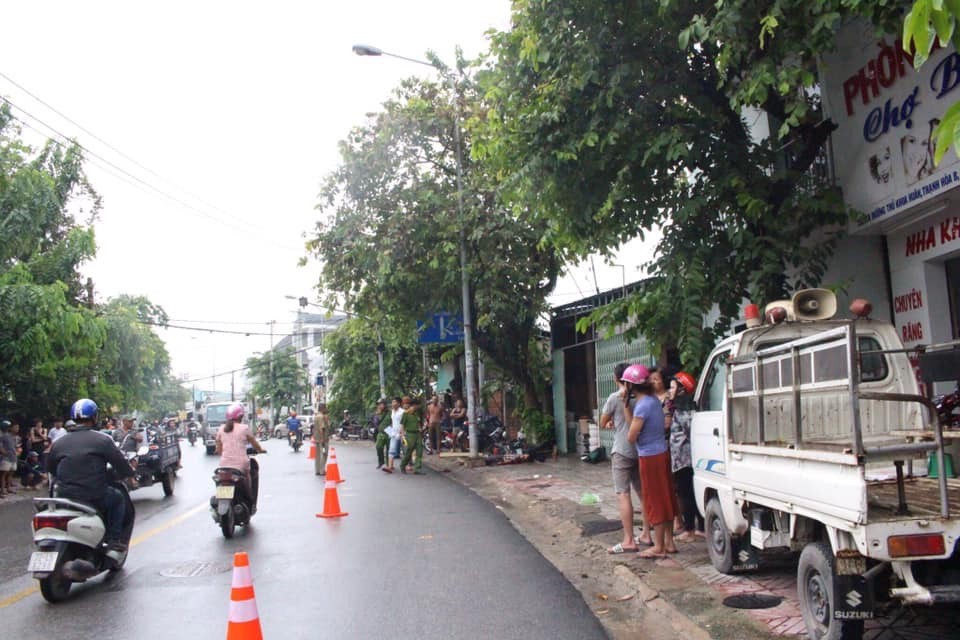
[233, 438]
[78, 463]
[294, 425]
[130, 438]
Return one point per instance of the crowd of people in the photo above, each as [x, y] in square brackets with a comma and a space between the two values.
[651, 412]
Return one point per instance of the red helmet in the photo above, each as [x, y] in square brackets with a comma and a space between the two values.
[635, 373]
[687, 381]
[235, 411]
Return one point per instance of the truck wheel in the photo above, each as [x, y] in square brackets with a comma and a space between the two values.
[168, 479]
[719, 540]
[815, 591]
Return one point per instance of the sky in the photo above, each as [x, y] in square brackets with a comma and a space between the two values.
[210, 127]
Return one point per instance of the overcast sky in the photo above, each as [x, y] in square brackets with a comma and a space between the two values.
[223, 118]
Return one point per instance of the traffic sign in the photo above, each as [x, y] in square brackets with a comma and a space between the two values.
[442, 328]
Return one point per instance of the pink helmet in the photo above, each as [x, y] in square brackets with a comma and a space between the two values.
[635, 373]
[235, 411]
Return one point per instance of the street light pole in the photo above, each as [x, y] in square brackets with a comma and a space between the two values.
[366, 50]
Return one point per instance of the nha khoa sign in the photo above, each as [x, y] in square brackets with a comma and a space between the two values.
[886, 113]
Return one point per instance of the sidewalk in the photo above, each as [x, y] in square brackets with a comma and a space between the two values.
[543, 502]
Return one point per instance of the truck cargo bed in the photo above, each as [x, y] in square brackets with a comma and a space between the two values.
[923, 499]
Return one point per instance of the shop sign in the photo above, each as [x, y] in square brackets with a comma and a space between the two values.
[885, 113]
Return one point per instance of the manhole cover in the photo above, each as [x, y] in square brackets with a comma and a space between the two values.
[752, 601]
[195, 570]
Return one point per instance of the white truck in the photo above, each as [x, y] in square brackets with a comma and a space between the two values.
[805, 439]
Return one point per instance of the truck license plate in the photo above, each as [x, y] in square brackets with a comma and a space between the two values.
[225, 492]
[42, 561]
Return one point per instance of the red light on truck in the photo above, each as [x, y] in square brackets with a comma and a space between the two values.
[51, 522]
[927, 544]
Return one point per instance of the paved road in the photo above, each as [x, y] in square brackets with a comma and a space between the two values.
[418, 556]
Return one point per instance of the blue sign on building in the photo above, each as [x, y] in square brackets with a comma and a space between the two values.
[442, 328]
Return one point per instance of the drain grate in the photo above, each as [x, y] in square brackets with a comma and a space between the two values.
[195, 570]
[752, 601]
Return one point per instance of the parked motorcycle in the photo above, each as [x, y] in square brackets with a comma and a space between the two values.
[70, 548]
[348, 430]
[295, 438]
[263, 431]
[948, 408]
[491, 436]
[232, 504]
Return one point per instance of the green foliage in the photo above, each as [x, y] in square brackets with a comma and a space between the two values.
[538, 425]
[389, 239]
[931, 22]
[167, 397]
[354, 380]
[56, 345]
[611, 120]
[277, 379]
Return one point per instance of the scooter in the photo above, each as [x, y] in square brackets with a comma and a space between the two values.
[295, 439]
[70, 546]
[192, 434]
[232, 505]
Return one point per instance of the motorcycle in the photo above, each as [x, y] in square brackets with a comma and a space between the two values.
[192, 432]
[263, 431]
[491, 436]
[348, 430]
[295, 439]
[232, 504]
[70, 546]
[947, 408]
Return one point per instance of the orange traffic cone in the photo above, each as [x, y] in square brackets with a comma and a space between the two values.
[313, 451]
[333, 469]
[331, 503]
[243, 623]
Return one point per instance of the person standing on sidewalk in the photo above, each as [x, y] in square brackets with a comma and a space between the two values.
[381, 421]
[321, 436]
[656, 478]
[395, 431]
[435, 415]
[682, 387]
[626, 471]
[411, 429]
[8, 455]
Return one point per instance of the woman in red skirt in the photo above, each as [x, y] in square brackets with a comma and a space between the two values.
[656, 477]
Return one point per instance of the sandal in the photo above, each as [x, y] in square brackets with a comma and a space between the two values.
[649, 554]
[619, 548]
[642, 543]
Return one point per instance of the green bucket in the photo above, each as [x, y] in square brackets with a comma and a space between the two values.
[932, 468]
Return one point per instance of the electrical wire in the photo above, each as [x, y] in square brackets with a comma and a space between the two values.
[140, 182]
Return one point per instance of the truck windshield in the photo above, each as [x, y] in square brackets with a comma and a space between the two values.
[217, 413]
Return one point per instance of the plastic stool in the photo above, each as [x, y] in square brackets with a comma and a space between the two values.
[933, 471]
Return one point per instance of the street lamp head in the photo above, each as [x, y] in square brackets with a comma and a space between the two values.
[366, 50]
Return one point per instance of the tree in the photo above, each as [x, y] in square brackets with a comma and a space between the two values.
[610, 120]
[354, 376]
[133, 366]
[49, 341]
[277, 377]
[167, 397]
[58, 345]
[388, 239]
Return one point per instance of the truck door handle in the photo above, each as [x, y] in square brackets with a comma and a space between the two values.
[716, 432]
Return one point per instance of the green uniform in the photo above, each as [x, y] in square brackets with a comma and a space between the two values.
[411, 427]
[383, 440]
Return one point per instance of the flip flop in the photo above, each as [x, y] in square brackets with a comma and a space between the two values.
[619, 548]
[648, 555]
[642, 543]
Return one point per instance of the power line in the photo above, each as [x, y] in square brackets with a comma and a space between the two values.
[243, 368]
[140, 181]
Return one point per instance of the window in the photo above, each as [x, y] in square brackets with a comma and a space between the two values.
[713, 390]
[873, 366]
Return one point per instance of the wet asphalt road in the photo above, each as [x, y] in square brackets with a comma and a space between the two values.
[417, 557]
